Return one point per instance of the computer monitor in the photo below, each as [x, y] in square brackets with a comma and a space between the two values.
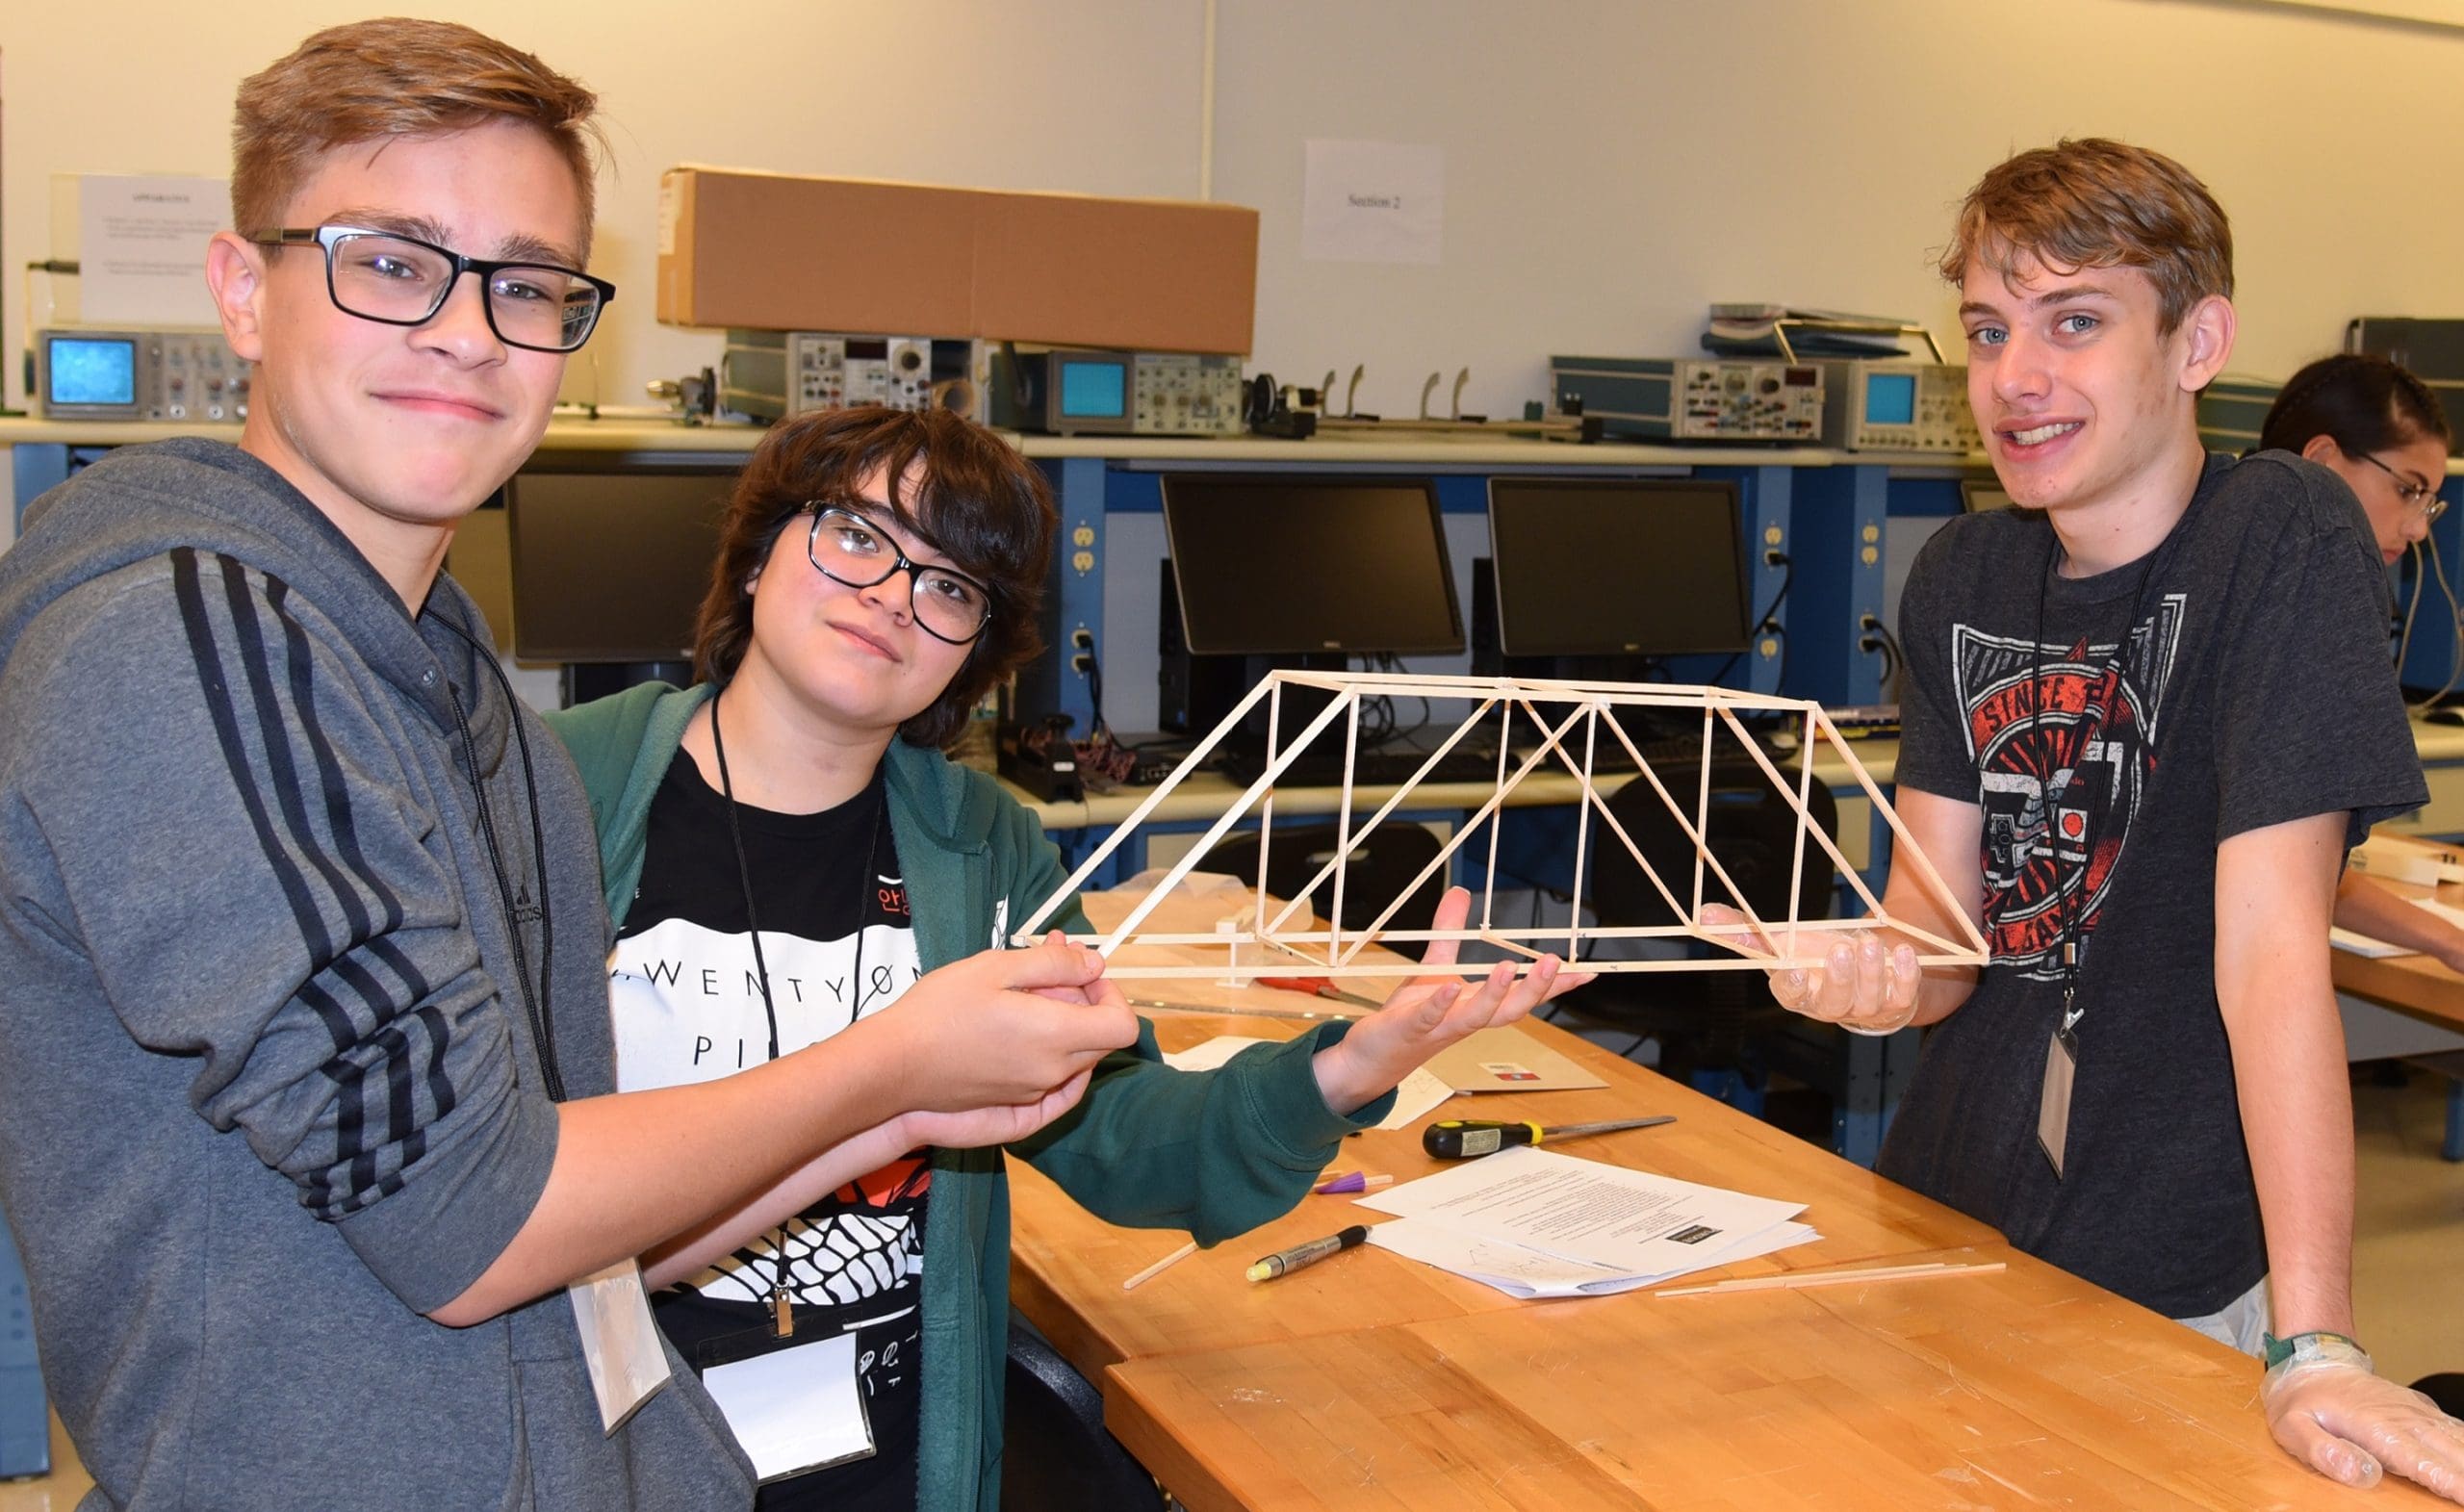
[610, 567]
[1288, 566]
[1639, 568]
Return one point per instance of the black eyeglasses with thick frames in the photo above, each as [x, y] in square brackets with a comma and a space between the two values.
[401, 280]
[2421, 498]
[846, 547]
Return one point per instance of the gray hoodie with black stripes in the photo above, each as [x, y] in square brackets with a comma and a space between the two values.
[277, 975]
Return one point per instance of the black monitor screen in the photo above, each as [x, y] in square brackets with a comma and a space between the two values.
[1280, 566]
[1645, 568]
[610, 567]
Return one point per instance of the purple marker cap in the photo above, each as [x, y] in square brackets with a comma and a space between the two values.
[1349, 1181]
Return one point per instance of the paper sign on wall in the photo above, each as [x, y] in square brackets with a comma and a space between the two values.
[140, 250]
[1373, 202]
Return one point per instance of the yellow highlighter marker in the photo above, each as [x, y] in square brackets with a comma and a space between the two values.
[1284, 1262]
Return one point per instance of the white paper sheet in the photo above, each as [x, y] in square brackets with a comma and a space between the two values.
[140, 250]
[1372, 202]
[2359, 944]
[1518, 1271]
[795, 1409]
[2351, 943]
[1512, 1269]
[1628, 1221]
[1208, 1055]
[1418, 1092]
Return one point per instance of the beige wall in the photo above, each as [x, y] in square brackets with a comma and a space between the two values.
[1610, 166]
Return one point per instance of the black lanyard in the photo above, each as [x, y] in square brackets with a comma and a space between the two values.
[541, 1005]
[782, 1310]
[2075, 913]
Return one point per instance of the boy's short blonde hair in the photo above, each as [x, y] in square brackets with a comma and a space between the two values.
[2097, 204]
[395, 77]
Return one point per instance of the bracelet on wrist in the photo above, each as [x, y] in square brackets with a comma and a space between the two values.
[2316, 1344]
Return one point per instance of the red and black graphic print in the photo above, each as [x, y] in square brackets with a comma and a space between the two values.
[862, 1240]
[2064, 737]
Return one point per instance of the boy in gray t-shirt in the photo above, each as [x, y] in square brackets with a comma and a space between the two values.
[2146, 715]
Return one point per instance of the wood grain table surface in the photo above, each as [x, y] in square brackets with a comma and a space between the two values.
[1371, 1381]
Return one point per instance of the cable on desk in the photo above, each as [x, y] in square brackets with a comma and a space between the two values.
[2455, 642]
[1378, 722]
[1388, 662]
[1878, 638]
[1103, 762]
[1092, 670]
[2400, 627]
[1763, 624]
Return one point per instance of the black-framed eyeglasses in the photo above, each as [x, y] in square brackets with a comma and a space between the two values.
[401, 280]
[2421, 498]
[846, 547]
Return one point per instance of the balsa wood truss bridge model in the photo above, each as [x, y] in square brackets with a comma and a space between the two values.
[1562, 726]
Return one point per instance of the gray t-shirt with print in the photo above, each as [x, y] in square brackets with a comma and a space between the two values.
[2252, 688]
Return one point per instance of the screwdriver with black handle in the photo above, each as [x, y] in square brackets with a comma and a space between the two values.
[1462, 1139]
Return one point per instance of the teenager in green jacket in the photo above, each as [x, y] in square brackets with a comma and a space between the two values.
[816, 853]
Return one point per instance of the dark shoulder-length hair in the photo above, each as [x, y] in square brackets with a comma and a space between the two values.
[952, 484]
[2361, 403]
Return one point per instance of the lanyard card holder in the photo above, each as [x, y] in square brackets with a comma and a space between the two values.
[620, 1342]
[2053, 1108]
[794, 1403]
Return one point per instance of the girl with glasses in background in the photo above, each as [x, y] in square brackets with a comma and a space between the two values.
[2380, 429]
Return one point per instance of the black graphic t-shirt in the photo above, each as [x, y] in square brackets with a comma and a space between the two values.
[2244, 682]
[2065, 737]
[838, 942]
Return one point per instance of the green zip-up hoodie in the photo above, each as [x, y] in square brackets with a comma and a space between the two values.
[1216, 1153]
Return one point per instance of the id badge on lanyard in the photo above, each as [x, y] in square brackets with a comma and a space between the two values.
[2062, 1046]
[620, 1342]
[2053, 1106]
[794, 1404]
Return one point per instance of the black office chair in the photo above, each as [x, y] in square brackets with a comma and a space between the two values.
[2446, 1389]
[1699, 1018]
[1382, 865]
[1055, 1454]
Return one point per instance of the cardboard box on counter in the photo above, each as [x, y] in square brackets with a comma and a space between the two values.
[775, 251]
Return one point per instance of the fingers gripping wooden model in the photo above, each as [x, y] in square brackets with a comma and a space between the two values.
[1569, 721]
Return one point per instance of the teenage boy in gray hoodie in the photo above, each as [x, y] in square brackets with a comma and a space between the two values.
[308, 1121]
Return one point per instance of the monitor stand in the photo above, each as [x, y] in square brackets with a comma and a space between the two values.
[584, 680]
